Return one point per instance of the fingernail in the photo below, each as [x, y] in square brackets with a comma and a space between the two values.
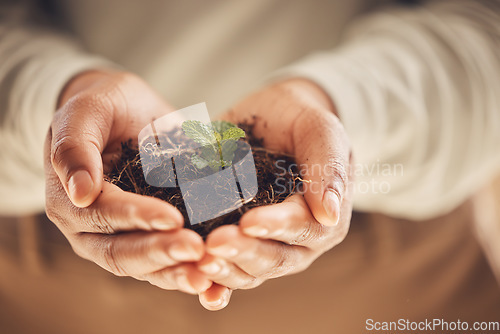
[211, 268]
[331, 205]
[222, 301]
[80, 186]
[256, 231]
[163, 224]
[183, 252]
[217, 267]
[184, 284]
[224, 251]
[215, 303]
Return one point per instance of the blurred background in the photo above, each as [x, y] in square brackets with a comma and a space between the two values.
[215, 51]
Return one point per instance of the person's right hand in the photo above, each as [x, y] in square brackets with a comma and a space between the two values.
[125, 233]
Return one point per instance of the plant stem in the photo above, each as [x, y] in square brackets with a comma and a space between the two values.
[220, 155]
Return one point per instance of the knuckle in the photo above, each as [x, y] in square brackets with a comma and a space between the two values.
[333, 236]
[97, 104]
[302, 265]
[61, 146]
[166, 279]
[94, 102]
[91, 100]
[96, 221]
[111, 259]
[115, 97]
[311, 233]
[282, 264]
[55, 217]
[52, 213]
[56, 214]
[335, 169]
[251, 283]
[101, 223]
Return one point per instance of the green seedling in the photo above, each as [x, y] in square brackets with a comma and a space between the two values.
[218, 142]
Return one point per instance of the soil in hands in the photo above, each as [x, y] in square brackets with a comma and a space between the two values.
[277, 178]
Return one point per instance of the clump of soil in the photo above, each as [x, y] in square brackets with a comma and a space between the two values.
[277, 178]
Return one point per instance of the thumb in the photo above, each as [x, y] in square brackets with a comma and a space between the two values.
[322, 151]
[79, 131]
[100, 109]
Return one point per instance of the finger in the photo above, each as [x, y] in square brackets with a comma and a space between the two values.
[114, 211]
[215, 298]
[290, 222]
[111, 110]
[323, 152]
[185, 277]
[259, 258]
[140, 253]
[226, 273]
[80, 131]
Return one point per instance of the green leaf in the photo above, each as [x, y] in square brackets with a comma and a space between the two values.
[222, 126]
[214, 165]
[233, 133]
[199, 132]
[228, 149]
[209, 153]
[198, 161]
[218, 142]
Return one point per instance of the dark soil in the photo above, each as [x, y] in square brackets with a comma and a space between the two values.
[277, 178]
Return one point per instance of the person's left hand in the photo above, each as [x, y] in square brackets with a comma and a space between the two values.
[298, 118]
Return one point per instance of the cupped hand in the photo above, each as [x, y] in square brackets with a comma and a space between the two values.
[125, 233]
[298, 118]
